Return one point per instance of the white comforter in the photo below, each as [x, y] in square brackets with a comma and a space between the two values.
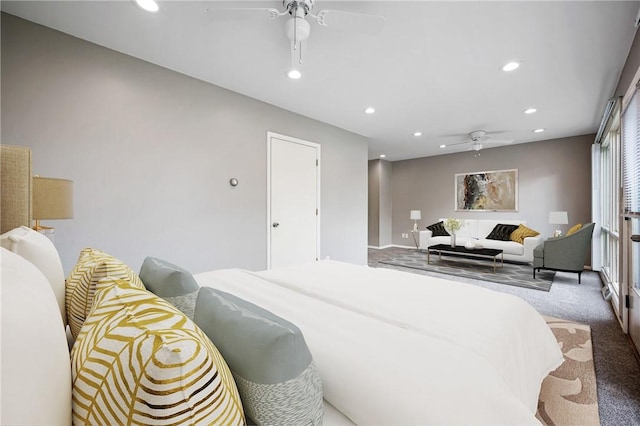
[381, 369]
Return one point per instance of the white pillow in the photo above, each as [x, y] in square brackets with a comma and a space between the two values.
[39, 250]
[36, 367]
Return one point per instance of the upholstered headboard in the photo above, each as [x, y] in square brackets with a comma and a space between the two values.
[15, 189]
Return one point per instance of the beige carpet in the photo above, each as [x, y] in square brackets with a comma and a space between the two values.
[568, 395]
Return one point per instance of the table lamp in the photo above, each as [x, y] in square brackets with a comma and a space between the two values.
[52, 200]
[415, 216]
[558, 218]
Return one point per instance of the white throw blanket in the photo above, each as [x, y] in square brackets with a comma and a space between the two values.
[381, 369]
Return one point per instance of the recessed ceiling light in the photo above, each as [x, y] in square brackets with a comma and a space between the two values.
[382, 156]
[417, 134]
[510, 66]
[369, 110]
[530, 110]
[538, 131]
[443, 146]
[294, 74]
[148, 5]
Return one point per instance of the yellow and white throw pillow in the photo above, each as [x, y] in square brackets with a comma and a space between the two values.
[139, 360]
[574, 229]
[523, 232]
[92, 266]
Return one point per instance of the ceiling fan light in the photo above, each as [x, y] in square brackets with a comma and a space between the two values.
[477, 146]
[148, 5]
[510, 66]
[294, 74]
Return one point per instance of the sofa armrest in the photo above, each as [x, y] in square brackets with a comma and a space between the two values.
[530, 243]
[425, 236]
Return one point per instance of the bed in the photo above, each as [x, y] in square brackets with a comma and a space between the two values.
[389, 347]
[398, 348]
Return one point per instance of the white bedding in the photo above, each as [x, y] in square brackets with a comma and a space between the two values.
[503, 328]
[377, 372]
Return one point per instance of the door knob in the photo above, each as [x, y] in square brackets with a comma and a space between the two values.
[635, 238]
[275, 224]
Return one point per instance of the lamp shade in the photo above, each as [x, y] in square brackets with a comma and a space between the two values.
[558, 218]
[52, 198]
[415, 215]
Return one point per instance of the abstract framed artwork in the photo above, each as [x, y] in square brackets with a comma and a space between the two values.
[494, 191]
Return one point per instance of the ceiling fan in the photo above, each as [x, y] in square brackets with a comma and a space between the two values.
[478, 139]
[297, 27]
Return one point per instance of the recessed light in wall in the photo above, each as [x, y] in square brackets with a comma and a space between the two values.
[530, 110]
[538, 131]
[148, 5]
[294, 74]
[369, 110]
[383, 156]
[510, 66]
[416, 134]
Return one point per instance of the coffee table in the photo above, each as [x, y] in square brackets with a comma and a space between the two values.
[462, 252]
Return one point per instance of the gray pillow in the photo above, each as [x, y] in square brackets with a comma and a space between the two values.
[268, 356]
[171, 282]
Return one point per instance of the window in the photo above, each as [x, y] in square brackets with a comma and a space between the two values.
[631, 141]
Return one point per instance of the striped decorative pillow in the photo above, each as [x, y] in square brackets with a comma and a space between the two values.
[92, 266]
[138, 360]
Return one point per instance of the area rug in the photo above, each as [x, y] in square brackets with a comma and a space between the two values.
[568, 395]
[520, 275]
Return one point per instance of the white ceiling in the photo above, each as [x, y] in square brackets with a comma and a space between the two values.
[434, 68]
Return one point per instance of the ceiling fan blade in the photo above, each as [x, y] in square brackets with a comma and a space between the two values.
[457, 144]
[351, 22]
[498, 141]
[241, 14]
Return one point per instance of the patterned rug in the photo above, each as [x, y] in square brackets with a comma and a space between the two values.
[568, 395]
[516, 274]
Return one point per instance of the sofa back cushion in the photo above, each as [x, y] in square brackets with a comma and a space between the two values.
[469, 228]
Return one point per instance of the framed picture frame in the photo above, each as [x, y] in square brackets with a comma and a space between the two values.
[489, 191]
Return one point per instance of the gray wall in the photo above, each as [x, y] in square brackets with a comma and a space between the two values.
[552, 175]
[380, 203]
[151, 152]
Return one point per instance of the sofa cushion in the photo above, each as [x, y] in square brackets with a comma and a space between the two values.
[269, 358]
[174, 284]
[36, 384]
[502, 232]
[139, 360]
[523, 232]
[438, 230]
[92, 266]
[39, 250]
[575, 228]
[508, 247]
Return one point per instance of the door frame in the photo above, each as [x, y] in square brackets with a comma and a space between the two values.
[317, 147]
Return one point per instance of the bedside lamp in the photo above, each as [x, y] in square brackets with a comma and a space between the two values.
[52, 200]
[415, 215]
[558, 218]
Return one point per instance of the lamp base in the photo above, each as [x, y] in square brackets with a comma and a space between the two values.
[47, 231]
[557, 233]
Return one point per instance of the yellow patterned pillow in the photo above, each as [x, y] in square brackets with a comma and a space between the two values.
[521, 233]
[80, 288]
[138, 360]
[574, 229]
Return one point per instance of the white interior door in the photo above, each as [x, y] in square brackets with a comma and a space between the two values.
[294, 204]
[634, 283]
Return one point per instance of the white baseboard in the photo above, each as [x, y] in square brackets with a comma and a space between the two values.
[380, 247]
